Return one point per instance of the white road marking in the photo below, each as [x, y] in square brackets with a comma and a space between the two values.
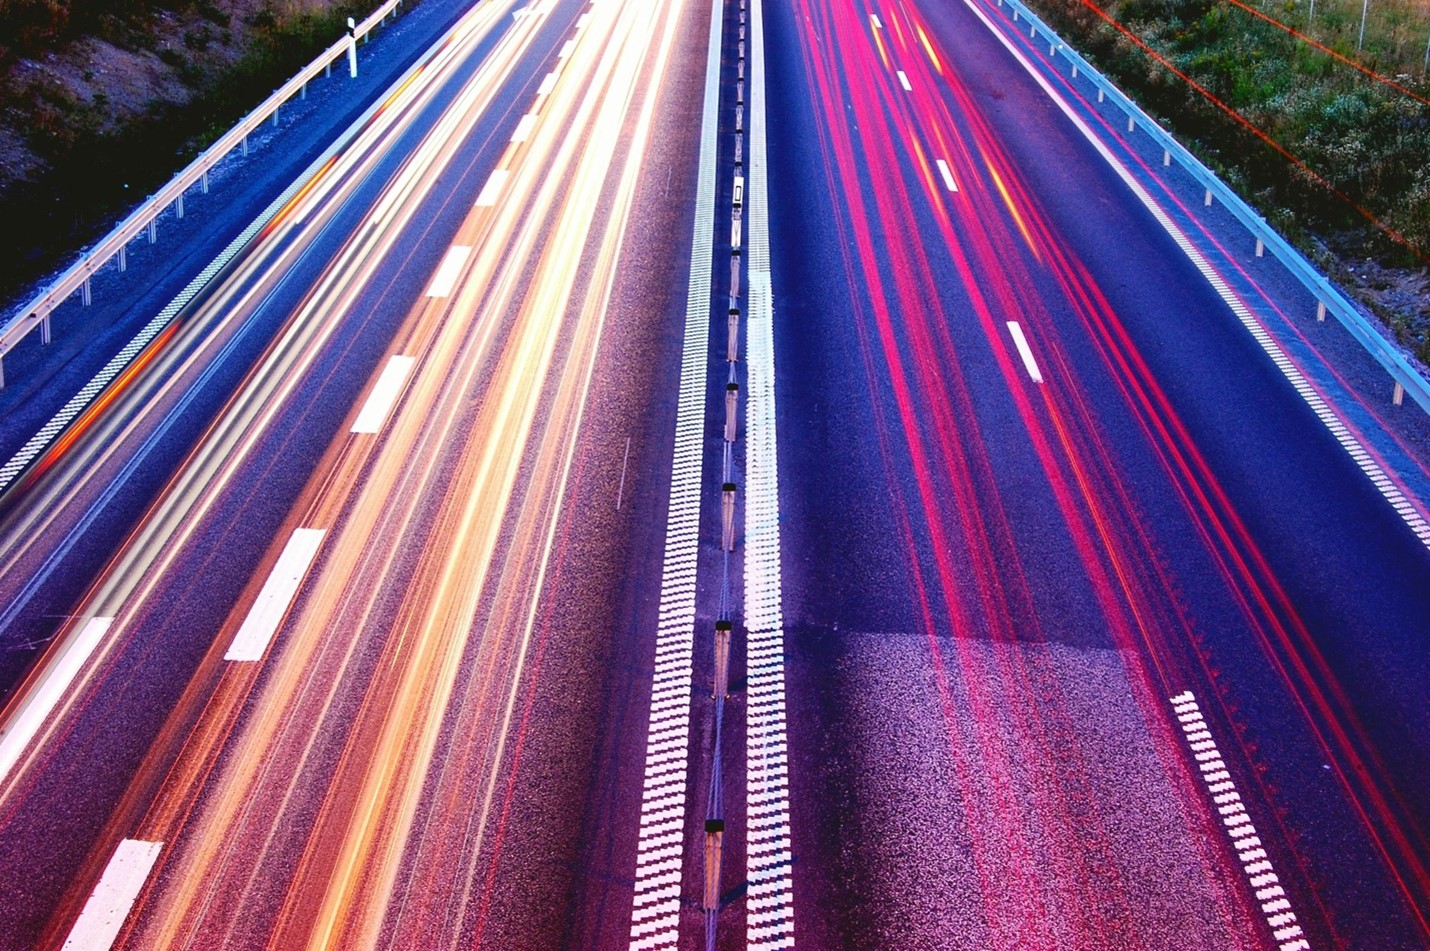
[449, 270]
[548, 83]
[566, 49]
[492, 189]
[655, 906]
[904, 81]
[1409, 512]
[276, 596]
[524, 127]
[384, 394]
[1231, 811]
[947, 174]
[769, 915]
[113, 898]
[1024, 351]
[39, 703]
[874, 19]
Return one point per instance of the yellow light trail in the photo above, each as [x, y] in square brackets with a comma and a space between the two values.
[417, 615]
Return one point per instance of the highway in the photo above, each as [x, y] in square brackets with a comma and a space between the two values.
[1077, 580]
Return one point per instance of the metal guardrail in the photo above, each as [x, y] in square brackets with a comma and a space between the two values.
[36, 313]
[1406, 377]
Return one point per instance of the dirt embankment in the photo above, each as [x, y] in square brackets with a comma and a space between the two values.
[101, 102]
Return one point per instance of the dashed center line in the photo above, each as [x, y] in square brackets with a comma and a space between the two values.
[110, 902]
[1024, 351]
[524, 127]
[548, 83]
[449, 270]
[273, 601]
[492, 189]
[384, 394]
[38, 706]
[947, 174]
[1231, 812]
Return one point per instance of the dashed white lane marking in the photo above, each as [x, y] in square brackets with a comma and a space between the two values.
[769, 916]
[276, 596]
[904, 81]
[1409, 511]
[492, 189]
[874, 19]
[548, 83]
[1024, 351]
[524, 127]
[947, 174]
[110, 902]
[1231, 811]
[450, 269]
[384, 394]
[39, 704]
[566, 49]
[655, 907]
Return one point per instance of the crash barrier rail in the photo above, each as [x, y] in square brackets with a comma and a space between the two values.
[36, 313]
[1406, 378]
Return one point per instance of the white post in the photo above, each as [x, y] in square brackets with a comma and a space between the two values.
[1320, 311]
[123, 259]
[179, 206]
[1399, 395]
[352, 47]
[1364, 9]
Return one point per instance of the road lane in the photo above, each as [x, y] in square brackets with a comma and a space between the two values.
[410, 647]
[1043, 538]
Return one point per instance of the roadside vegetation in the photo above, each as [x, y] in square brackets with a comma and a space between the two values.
[102, 101]
[1355, 191]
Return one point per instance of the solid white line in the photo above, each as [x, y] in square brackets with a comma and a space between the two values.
[548, 83]
[1024, 351]
[492, 189]
[113, 898]
[655, 902]
[35, 710]
[524, 127]
[384, 394]
[449, 270]
[276, 596]
[904, 81]
[769, 914]
[947, 174]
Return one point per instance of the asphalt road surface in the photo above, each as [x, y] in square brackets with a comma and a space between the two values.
[1077, 578]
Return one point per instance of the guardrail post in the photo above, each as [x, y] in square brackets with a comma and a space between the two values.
[204, 181]
[85, 297]
[1207, 201]
[1074, 70]
[714, 830]
[153, 230]
[1260, 247]
[352, 48]
[275, 118]
[1101, 94]
[245, 146]
[1166, 157]
[732, 338]
[123, 259]
[732, 399]
[1131, 122]
[179, 206]
[722, 659]
[1398, 397]
[303, 91]
[1320, 311]
[45, 329]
